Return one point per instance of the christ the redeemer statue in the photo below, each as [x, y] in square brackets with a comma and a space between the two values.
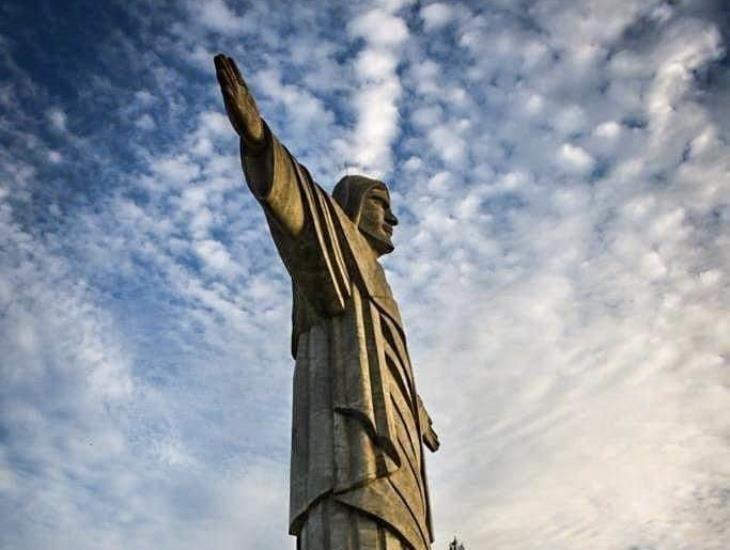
[358, 479]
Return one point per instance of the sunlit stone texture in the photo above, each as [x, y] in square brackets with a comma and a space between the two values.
[358, 476]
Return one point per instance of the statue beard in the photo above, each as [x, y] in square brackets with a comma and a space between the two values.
[382, 244]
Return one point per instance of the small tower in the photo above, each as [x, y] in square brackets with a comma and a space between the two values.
[456, 545]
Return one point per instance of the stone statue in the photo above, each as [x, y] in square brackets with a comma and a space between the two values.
[357, 468]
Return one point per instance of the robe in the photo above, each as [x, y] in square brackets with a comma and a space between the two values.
[357, 421]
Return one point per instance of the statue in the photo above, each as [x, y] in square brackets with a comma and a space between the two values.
[357, 468]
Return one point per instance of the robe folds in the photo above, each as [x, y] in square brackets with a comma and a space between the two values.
[357, 419]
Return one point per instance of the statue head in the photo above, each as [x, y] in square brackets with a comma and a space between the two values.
[366, 202]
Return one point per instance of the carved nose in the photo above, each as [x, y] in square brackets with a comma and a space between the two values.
[390, 218]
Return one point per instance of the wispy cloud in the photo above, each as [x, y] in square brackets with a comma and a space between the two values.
[378, 87]
[561, 173]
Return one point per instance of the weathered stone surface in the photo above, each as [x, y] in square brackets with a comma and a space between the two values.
[358, 427]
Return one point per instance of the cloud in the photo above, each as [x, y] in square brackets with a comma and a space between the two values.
[57, 118]
[436, 15]
[145, 122]
[380, 27]
[608, 130]
[379, 89]
[54, 157]
[215, 255]
[561, 265]
[217, 16]
[575, 158]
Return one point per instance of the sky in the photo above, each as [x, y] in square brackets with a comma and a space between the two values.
[561, 171]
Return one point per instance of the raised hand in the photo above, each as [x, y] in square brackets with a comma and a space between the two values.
[240, 104]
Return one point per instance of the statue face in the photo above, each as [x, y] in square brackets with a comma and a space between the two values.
[377, 220]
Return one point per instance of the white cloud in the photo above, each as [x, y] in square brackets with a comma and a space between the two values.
[534, 104]
[145, 122]
[561, 265]
[57, 119]
[607, 130]
[176, 170]
[379, 88]
[216, 256]
[201, 58]
[217, 16]
[144, 97]
[380, 27]
[570, 120]
[688, 45]
[304, 113]
[575, 158]
[436, 15]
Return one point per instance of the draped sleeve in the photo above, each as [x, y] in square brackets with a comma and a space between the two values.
[302, 218]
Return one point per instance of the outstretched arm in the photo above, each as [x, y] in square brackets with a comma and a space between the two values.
[269, 169]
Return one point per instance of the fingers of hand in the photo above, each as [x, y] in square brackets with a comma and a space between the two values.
[228, 90]
[223, 79]
[237, 73]
[224, 72]
[220, 66]
[240, 105]
[231, 73]
[230, 76]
